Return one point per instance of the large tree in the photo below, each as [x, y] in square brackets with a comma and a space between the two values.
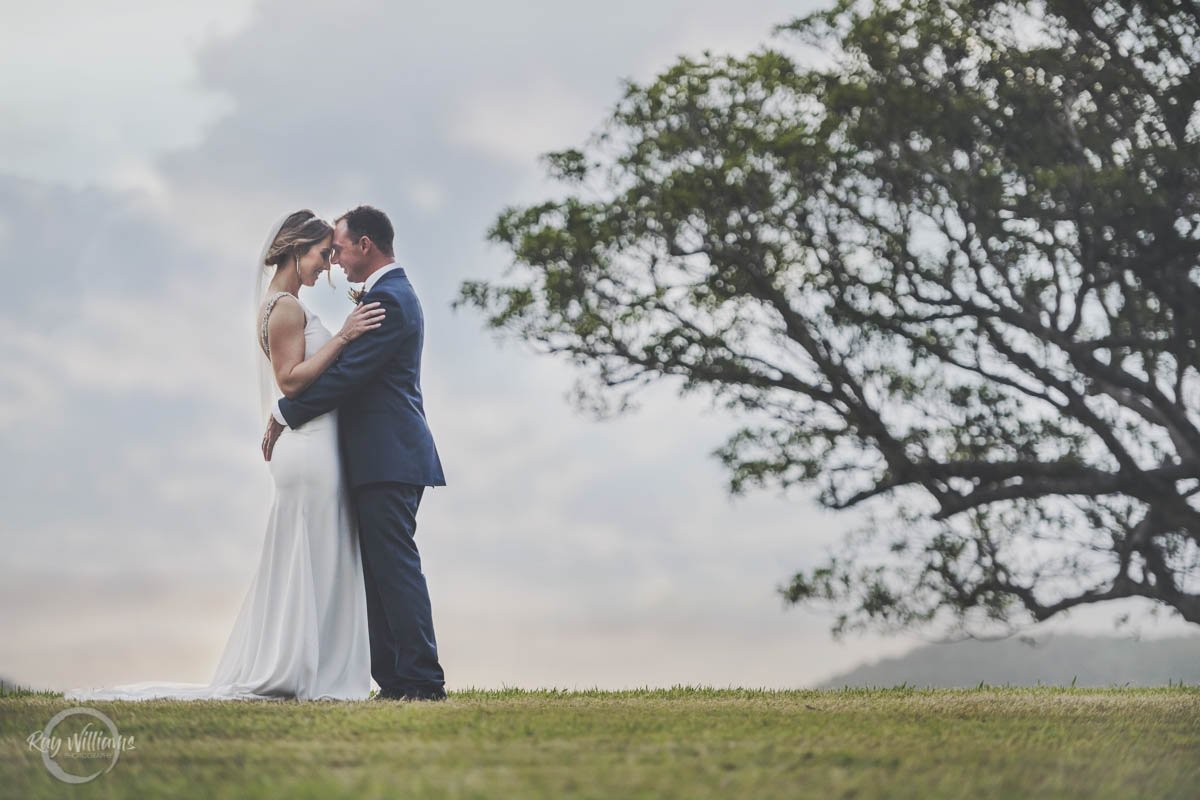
[948, 276]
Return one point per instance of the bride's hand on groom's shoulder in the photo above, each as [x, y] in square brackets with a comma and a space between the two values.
[270, 437]
[362, 319]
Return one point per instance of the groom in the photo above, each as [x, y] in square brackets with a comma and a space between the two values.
[388, 452]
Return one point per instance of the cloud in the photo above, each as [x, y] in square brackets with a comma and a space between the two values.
[426, 194]
[518, 123]
[95, 91]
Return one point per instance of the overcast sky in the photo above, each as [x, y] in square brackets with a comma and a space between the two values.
[146, 147]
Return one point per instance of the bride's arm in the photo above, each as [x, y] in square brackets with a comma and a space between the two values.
[285, 338]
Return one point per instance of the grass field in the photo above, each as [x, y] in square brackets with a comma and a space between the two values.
[682, 742]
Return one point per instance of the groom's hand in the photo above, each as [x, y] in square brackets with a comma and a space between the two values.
[270, 437]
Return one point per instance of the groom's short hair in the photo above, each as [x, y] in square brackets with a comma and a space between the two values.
[370, 222]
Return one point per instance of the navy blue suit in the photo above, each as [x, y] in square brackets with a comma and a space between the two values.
[389, 458]
[376, 386]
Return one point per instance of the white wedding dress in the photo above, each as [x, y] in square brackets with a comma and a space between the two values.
[302, 629]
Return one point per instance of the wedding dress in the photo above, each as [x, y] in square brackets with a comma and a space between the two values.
[302, 629]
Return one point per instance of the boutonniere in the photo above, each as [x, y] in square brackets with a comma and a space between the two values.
[355, 295]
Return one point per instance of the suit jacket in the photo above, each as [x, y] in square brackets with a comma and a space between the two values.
[375, 383]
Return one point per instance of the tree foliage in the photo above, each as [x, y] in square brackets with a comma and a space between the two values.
[948, 277]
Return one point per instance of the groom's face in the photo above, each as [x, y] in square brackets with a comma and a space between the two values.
[348, 254]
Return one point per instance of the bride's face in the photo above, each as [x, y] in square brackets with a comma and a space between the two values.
[315, 261]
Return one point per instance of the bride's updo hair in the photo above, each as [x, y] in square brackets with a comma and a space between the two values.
[300, 231]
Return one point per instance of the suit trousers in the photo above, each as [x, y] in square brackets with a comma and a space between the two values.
[399, 614]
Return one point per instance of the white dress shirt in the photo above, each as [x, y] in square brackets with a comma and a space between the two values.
[371, 280]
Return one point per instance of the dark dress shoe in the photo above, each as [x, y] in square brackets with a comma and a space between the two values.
[410, 694]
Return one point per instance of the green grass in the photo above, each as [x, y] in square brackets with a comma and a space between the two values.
[680, 742]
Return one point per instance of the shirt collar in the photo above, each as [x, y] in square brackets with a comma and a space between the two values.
[374, 277]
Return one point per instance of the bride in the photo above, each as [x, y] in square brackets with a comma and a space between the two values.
[301, 632]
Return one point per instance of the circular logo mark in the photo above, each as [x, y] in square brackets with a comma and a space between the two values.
[87, 743]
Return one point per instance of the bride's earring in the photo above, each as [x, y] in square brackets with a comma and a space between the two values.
[296, 261]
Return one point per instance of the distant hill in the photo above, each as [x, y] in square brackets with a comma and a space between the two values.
[1056, 659]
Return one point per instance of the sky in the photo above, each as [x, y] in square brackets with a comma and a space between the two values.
[146, 148]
